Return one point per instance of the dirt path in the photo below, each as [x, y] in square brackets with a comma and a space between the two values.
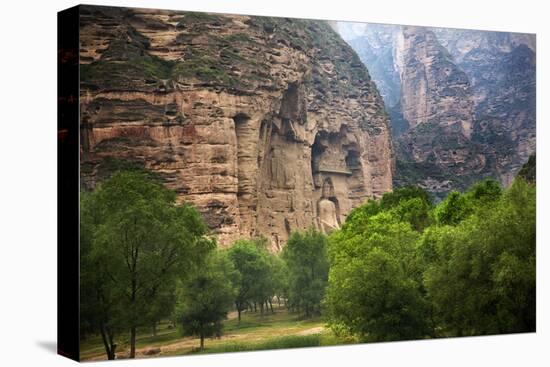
[190, 342]
[272, 326]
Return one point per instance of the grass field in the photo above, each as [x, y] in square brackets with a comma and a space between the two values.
[255, 332]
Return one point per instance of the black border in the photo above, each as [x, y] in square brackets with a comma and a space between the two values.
[68, 161]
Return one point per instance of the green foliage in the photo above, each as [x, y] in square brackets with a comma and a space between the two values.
[415, 211]
[306, 261]
[197, 17]
[205, 298]
[238, 37]
[410, 204]
[457, 207]
[135, 243]
[453, 209]
[145, 67]
[284, 342]
[252, 279]
[392, 199]
[374, 289]
[276, 285]
[484, 192]
[396, 273]
[399, 268]
[205, 68]
[529, 170]
[481, 277]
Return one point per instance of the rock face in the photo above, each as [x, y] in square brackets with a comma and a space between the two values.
[374, 44]
[433, 88]
[438, 105]
[466, 106]
[502, 71]
[253, 120]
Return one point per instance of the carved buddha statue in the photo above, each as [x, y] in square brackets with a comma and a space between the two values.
[328, 220]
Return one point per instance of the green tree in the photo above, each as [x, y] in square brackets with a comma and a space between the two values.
[481, 279]
[374, 287]
[279, 277]
[142, 242]
[163, 307]
[100, 308]
[252, 273]
[485, 192]
[305, 255]
[415, 211]
[409, 204]
[529, 170]
[457, 207]
[453, 209]
[392, 199]
[205, 298]
[396, 273]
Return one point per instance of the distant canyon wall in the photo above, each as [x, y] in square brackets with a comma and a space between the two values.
[462, 102]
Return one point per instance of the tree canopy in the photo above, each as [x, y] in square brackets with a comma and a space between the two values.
[306, 259]
[205, 297]
[135, 243]
[402, 268]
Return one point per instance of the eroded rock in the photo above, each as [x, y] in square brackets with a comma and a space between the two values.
[244, 117]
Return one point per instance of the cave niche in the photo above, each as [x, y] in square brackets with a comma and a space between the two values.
[293, 104]
[353, 160]
[328, 208]
[317, 150]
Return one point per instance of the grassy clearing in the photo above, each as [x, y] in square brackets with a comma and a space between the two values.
[92, 347]
[284, 342]
[279, 330]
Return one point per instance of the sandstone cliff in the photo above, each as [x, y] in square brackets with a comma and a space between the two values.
[247, 118]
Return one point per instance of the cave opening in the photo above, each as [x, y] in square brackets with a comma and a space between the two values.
[241, 130]
[317, 150]
[352, 160]
[291, 107]
[240, 119]
[263, 139]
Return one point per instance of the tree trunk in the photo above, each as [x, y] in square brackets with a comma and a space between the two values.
[271, 306]
[433, 324]
[154, 328]
[108, 343]
[202, 341]
[113, 345]
[133, 342]
[239, 315]
[133, 299]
